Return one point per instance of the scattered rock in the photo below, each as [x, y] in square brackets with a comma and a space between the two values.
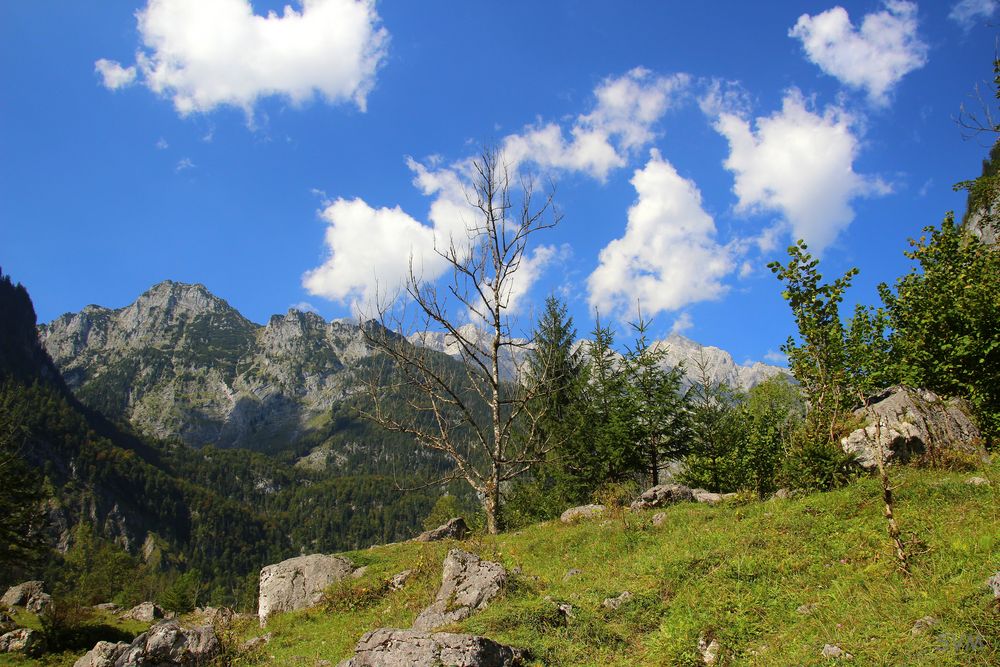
[104, 654]
[22, 640]
[399, 580]
[360, 572]
[146, 612]
[255, 643]
[834, 651]
[708, 647]
[923, 625]
[570, 573]
[298, 583]
[216, 617]
[806, 609]
[614, 603]
[454, 529]
[6, 623]
[659, 519]
[783, 494]
[322, 663]
[994, 584]
[387, 647]
[574, 514]
[31, 595]
[905, 421]
[703, 496]
[170, 644]
[467, 585]
[978, 481]
[109, 607]
[662, 495]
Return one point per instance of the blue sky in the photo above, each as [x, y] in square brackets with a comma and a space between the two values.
[292, 158]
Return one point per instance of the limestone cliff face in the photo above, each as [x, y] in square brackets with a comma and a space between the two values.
[183, 362]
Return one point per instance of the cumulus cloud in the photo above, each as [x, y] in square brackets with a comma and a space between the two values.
[206, 53]
[184, 164]
[875, 57]
[967, 12]
[113, 75]
[800, 164]
[668, 257]
[623, 118]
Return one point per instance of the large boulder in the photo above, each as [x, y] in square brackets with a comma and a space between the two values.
[387, 647]
[298, 583]
[909, 422]
[467, 585]
[31, 595]
[104, 654]
[574, 514]
[703, 496]
[662, 495]
[453, 529]
[22, 640]
[170, 644]
[146, 612]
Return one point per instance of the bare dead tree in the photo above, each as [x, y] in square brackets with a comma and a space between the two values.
[471, 412]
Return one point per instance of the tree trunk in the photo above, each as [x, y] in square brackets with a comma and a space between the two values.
[491, 503]
[654, 465]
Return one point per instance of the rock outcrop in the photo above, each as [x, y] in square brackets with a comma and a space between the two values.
[170, 644]
[387, 647]
[299, 582]
[104, 654]
[22, 640]
[703, 496]
[574, 514]
[453, 529]
[909, 422]
[31, 595]
[147, 612]
[467, 585]
[662, 495]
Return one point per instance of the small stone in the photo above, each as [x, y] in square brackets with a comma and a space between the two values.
[834, 651]
[806, 609]
[994, 584]
[616, 602]
[923, 625]
[453, 529]
[708, 647]
[574, 514]
[978, 481]
[255, 643]
[659, 519]
[782, 494]
[570, 573]
[399, 580]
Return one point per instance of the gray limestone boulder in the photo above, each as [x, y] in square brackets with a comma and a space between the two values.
[707, 497]
[453, 529]
[170, 644]
[574, 514]
[31, 595]
[663, 495]
[616, 602]
[22, 640]
[104, 654]
[835, 652]
[909, 422]
[147, 612]
[467, 585]
[387, 647]
[298, 583]
[993, 583]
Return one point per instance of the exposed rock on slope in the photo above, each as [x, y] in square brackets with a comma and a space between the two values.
[467, 585]
[906, 421]
[183, 362]
[298, 583]
[387, 647]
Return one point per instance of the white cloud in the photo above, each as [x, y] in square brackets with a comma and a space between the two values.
[622, 121]
[875, 57]
[799, 164]
[776, 358]
[207, 53]
[369, 253]
[967, 12]
[668, 257]
[162, 144]
[304, 307]
[682, 323]
[113, 74]
[183, 164]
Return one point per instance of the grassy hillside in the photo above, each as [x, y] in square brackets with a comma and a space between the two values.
[737, 572]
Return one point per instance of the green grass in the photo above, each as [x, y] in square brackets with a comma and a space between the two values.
[737, 572]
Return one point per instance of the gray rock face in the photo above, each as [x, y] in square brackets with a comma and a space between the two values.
[31, 595]
[387, 647]
[182, 362]
[453, 529]
[467, 585]
[398, 581]
[170, 644]
[909, 422]
[22, 640]
[147, 612]
[574, 514]
[707, 497]
[663, 495]
[104, 654]
[298, 583]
